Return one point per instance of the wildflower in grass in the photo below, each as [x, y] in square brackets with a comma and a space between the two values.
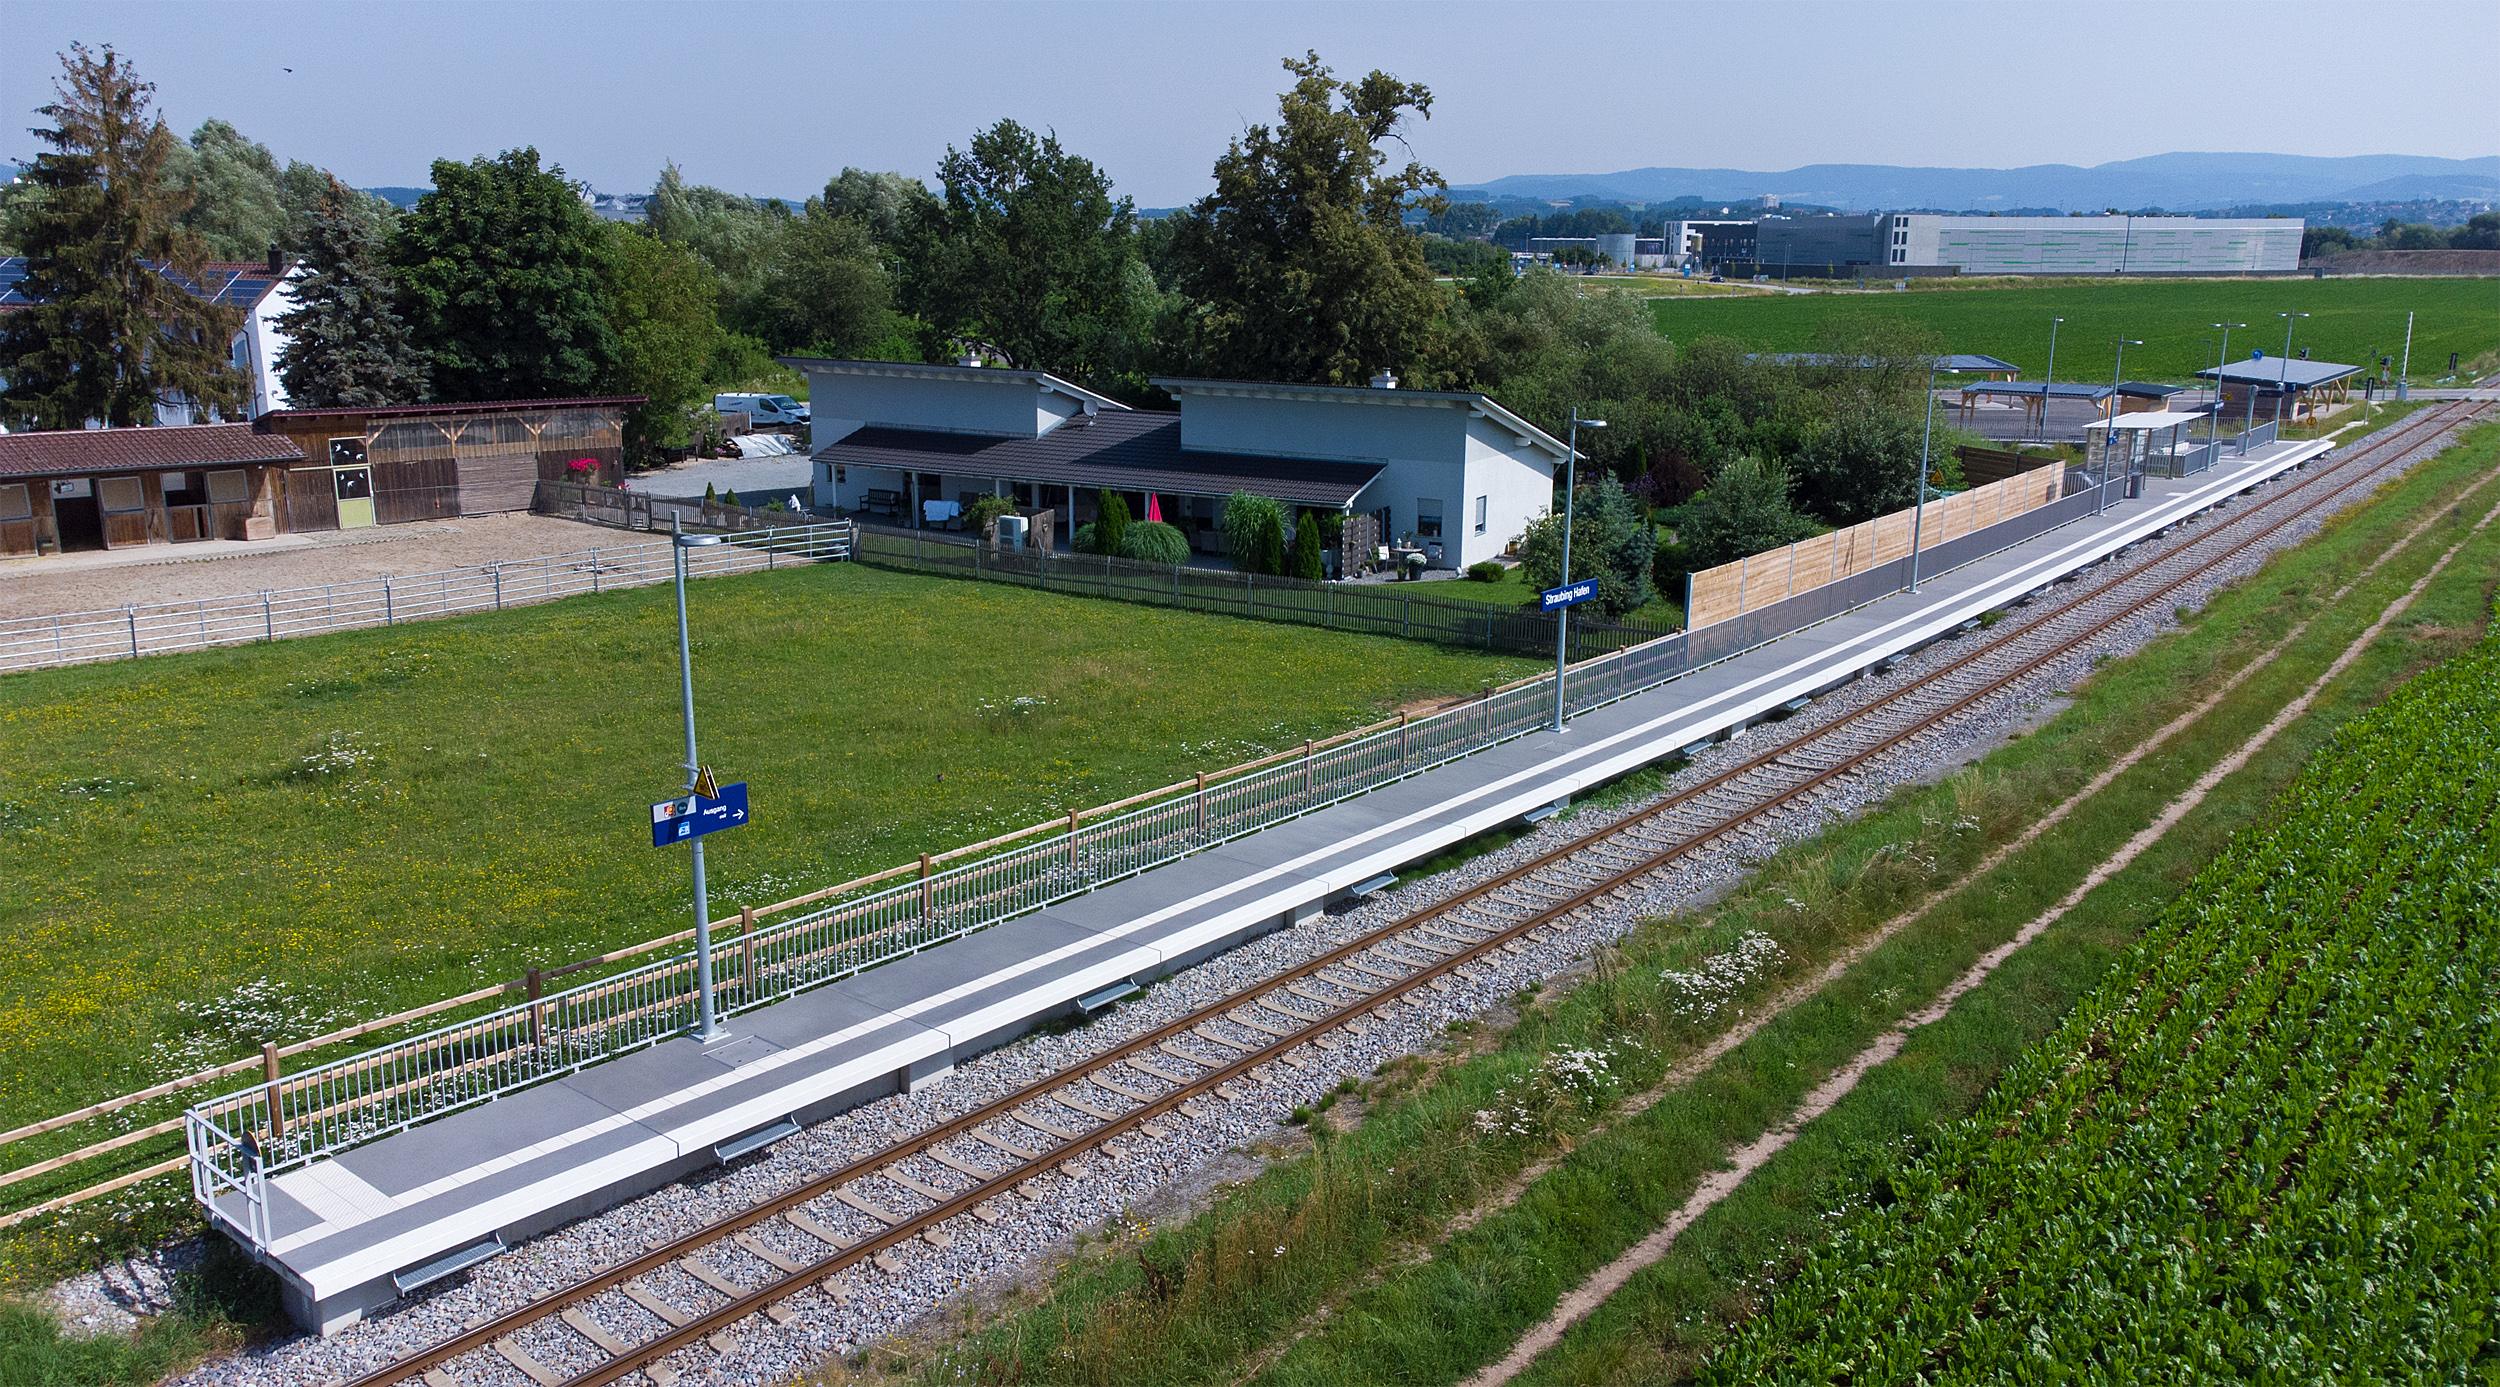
[1704, 991]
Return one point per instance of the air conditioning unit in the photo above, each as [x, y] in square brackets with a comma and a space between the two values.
[1012, 530]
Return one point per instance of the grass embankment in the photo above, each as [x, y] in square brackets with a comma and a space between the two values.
[212, 850]
[2351, 320]
[1344, 1264]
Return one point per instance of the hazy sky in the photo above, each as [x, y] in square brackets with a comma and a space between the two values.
[771, 98]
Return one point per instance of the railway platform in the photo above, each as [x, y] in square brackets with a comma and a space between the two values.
[354, 1232]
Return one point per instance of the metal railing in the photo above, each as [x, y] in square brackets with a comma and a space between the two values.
[297, 1117]
[157, 628]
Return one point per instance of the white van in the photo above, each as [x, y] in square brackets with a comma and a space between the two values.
[767, 411]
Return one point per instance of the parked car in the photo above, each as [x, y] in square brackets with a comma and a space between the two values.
[767, 411]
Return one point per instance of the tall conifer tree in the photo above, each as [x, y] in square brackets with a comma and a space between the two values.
[346, 344]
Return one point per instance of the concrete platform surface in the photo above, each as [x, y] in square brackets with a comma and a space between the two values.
[343, 1228]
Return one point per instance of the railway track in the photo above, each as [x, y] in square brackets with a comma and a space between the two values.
[813, 1237]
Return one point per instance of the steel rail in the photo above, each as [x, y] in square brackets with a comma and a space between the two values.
[2388, 450]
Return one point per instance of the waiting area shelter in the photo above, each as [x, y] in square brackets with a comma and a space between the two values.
[2296, 388]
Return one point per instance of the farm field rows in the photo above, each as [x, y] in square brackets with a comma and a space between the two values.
[2264, 1148]
[211, 850]
[2352, 320]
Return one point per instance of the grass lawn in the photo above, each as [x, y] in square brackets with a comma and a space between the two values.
[2352, 320]
[209, 850]
[1338, 1265]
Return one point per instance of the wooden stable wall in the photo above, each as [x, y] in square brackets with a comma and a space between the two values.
[1749, 584]
[437, 466]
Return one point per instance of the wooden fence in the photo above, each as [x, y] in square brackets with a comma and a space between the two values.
[1731, 590]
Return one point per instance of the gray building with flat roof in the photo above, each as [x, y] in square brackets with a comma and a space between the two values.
[2092, 245]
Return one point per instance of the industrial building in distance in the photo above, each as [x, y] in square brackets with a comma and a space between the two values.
[1906, 244]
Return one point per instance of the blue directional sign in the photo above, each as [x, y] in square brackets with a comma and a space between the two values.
[692, 816]
[1568, 595]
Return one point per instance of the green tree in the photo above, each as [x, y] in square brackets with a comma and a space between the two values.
[1247, 520]
[1028, 253]
[894, 207]
[1611, 541]
[108, 336]
[1309, 545]
[1860, 464]
[668, 335]
[1745, 511]
[1110, 520]
[345, 341]
[503, 273]
[1299, 265]
[238, 208]
[738, 237]
[824, 293]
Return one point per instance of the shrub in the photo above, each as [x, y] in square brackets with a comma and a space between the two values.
[1485, 571]
[1152, 541]
[984, 510]
[1082, 539]
[1673, 564]
[1611, 541]
[1246, 519]
[1271, 542]
[1111, 522]
[711, 494]
[729, 497]
[1309, 544]
[1745, 511]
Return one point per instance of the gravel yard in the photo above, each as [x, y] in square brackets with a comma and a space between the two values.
[186, 573]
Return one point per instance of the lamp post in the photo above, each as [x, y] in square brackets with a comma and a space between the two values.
[2404, 369]
[2109, 431]
[2048, 379]
[706, 1027]
[2213, 422]
[1918, 509]
[2283, 368]
[1562, 615]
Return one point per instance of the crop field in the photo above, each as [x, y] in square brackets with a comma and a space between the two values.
[2263, 1149]
[2351, 320]
[210, 850]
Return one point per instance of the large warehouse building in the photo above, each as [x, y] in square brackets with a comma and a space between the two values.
[1927, 243]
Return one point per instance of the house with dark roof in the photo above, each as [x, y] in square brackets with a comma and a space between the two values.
[257, 289]
[1452, 472]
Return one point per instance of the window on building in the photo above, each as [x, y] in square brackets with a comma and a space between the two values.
[227, 488]
[1427, 518]
[1484, 513]
[16, 502]
[120, 494]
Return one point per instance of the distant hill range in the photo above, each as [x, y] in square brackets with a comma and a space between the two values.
[2172, 182]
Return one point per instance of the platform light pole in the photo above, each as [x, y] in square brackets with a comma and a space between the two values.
[706, 1026]
[2109, 431]
[2213, 422]
[1918, 509]
[2048, 379]
[2404, 369]
[1571, 494]
[2283, 368]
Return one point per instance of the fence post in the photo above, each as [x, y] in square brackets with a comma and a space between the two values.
[536, 982]
[268, 623]
[1403, 715]
[594, 569]
[1202, 804]
[1306, 768]
[1486, 703]
[497, 570]
[1072, 839]
[269, 1081]
[1328, 617]
[746, 952]
[1249, 593]
[131, 614]
[928, 896]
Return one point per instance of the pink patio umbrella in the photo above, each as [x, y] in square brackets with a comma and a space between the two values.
[1154, 509]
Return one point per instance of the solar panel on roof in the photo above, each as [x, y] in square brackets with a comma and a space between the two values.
[234, 286]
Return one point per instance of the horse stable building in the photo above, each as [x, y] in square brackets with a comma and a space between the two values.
[296, 471]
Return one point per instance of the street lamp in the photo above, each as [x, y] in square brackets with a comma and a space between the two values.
[1918, 510]
[2213, 423]
[2283, 368]
[1562, 615]
[706, 1028]
[2109, 433]
[2049, 379]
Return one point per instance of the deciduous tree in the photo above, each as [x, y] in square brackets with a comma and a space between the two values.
[668, 335]
[1745, 511]
[1611, 541]
[503, 278]
[109, 336]
[1300, 264]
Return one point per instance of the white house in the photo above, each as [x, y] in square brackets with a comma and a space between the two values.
[260, 289]
[1452, 471]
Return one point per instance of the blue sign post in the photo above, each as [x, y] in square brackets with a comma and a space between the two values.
[1568, 595]
[692, 816]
